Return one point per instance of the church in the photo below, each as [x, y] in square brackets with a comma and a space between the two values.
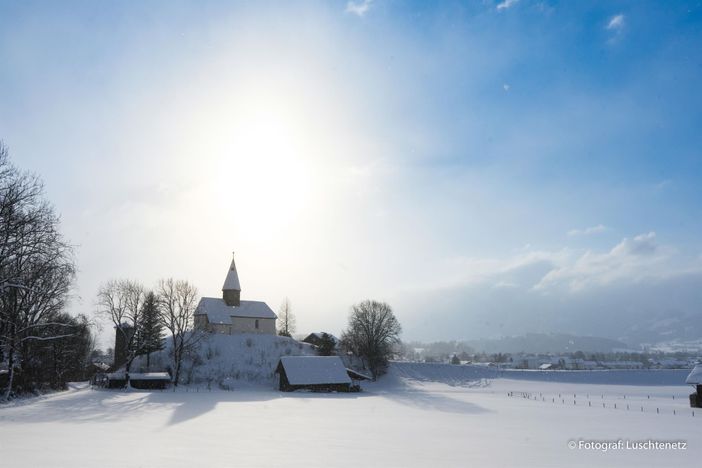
[230, 314]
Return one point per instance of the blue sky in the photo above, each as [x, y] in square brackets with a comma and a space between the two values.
[460, 160]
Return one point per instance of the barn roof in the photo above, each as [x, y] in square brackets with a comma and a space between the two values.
[218, 311]
[695, 376]
[314, 370]
[139, 376]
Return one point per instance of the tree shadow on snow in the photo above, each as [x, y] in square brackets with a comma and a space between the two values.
[189, 408]
[102, 405]
[399, 391]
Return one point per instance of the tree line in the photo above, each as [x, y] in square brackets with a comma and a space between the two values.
[40, 344]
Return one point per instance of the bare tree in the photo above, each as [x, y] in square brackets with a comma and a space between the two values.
[372, 332]
[36, 268]
[178, 300]
[286, 319]
[121, 301]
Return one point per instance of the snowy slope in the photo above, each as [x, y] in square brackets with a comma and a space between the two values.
[229, 361]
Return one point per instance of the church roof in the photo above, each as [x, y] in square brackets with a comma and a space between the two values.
[218, 311]
[232, 279]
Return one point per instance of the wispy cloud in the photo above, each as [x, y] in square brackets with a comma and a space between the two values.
[600, 228]
[616, 22]
[358, 7]
[663, 184]
[631, 260]
[505, 4]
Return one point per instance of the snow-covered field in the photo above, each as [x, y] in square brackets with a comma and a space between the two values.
[418, 415]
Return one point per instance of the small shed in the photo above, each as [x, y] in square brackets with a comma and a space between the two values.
[317, 373]
[149, 380]
[695, 379]
[141, 381]
[115, 380]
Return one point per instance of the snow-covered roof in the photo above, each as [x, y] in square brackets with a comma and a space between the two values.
[232, 279]
[354, 374]
[695, 376]
[218, 311]
[320, 336]
[315, 370]
[139, 376]
[150, 376]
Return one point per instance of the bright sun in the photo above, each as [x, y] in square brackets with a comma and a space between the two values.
[259, 155]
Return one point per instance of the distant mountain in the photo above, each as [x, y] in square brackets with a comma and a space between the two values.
[546, 343]
[665, 327]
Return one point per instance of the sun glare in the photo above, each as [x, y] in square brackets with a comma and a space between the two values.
[260, 154]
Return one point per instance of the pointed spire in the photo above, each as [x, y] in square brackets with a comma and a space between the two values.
[231, 290]
[231, 283]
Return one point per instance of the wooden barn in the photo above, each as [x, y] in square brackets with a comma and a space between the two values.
[317, 373]
[141, 381]
[695, 379]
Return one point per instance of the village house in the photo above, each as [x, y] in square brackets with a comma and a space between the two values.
[316, 338]
[232, 315]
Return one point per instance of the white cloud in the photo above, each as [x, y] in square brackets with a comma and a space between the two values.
[505, 87]
[616, 22]
[568, 270]
[505, 4]
[600, 228]
[631, 260]
[359, 7]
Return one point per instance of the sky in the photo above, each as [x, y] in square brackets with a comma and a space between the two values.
[487, 168]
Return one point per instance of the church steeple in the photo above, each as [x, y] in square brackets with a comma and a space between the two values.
[231, 290]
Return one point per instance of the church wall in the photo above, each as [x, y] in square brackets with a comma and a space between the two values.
[248, 325]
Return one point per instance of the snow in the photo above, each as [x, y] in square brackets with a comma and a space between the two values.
[695, 376]
[314, 370]
[139, 376]
[232, 360]
[149, 376]
[395, 422]
[218, 311]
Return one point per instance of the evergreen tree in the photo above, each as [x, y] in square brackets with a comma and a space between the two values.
[326, 345]
[151, 327]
